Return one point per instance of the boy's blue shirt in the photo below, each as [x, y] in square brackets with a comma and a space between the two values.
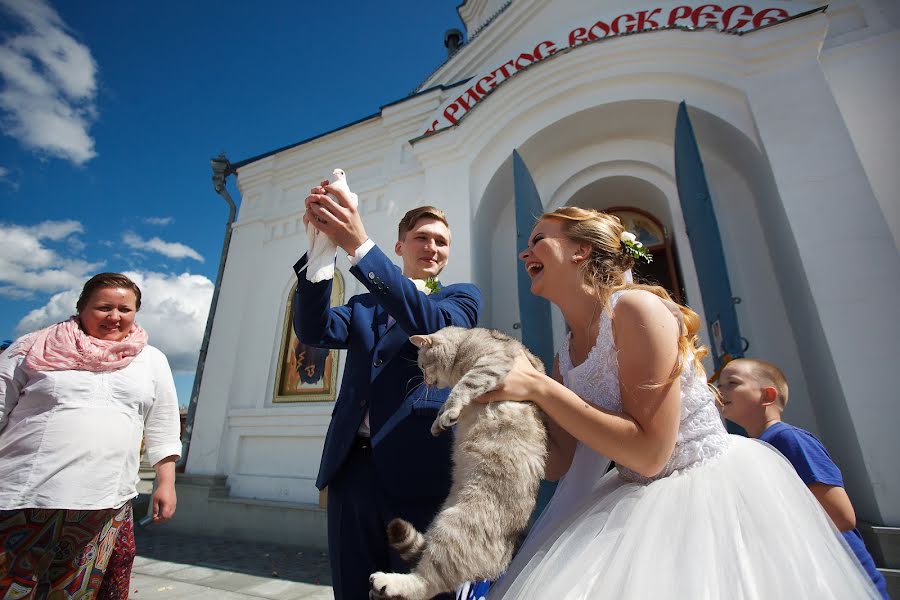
[805, 452]
[814, 465]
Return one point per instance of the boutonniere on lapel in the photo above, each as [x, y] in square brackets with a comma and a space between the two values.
[427, 286]
[433, 285]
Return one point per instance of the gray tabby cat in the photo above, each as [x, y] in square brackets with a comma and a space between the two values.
[499, 453]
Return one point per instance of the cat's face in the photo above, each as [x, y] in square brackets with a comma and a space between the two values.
[436, 354]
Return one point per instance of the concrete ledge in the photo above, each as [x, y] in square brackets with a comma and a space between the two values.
[883, 543]
[204, 507]
[892, 578]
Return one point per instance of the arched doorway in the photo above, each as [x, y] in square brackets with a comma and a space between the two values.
[663, 271]
[645, 210]
[621, 155]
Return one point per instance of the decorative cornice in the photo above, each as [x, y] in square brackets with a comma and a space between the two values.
[569, 49]
[466, 44]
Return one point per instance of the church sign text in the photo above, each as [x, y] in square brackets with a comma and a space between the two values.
[738, 18]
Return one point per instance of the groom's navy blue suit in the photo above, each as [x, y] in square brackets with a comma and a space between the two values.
[403, 471]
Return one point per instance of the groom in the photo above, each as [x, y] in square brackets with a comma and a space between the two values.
[380, 460]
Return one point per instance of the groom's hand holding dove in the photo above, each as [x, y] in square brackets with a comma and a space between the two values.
[332, 219]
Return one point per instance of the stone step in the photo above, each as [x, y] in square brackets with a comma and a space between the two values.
[206, 508]
[892, 578]
[883, 543]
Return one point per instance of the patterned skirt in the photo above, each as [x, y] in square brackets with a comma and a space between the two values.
[57, 553]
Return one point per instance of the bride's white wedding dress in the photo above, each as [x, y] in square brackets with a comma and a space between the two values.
[726, 518]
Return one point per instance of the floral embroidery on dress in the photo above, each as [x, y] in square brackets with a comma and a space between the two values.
[701, 434]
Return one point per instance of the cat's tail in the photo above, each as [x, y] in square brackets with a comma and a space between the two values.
[406, 540]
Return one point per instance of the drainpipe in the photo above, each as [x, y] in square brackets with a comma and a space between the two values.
[221, 169]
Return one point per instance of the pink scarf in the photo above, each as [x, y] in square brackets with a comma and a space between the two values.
[65, 346]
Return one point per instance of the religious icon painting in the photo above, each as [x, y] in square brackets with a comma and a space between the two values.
[306, 373]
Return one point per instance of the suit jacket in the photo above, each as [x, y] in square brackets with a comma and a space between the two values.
[381, 374]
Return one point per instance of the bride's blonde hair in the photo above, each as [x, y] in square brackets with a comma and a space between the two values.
[604, 270]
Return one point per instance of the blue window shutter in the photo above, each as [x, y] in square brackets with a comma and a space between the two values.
[706, 244]
[534, 311]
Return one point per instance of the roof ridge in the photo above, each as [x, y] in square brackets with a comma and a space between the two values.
[472, 38]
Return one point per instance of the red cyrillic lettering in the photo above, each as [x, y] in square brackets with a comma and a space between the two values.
[489, 81]
[431, 129]
[578, 36]
[746, 11]
[679, 12]
[629, 27]
[550, 47]
[469, 95]
[503, 69]
[523, 56]
[764, 17]
[450, 115]
[645, 21]
[600, 26]
[708, 13]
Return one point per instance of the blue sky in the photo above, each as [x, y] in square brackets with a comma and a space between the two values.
[110, 112]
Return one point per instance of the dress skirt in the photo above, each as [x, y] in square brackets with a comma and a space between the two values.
[741, 525]
[57, 553]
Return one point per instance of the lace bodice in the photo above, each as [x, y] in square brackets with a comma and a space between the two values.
[701, 434]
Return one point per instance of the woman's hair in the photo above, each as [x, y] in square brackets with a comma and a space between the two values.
[604, 270]
[107, 280]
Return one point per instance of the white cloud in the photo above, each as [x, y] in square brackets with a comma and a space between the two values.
[48, 100]
[57, 230]
[14, 293]
[6, 177]
[173, 311]
[161, 221]
[27, 265]
[60, 307]
[170, 249]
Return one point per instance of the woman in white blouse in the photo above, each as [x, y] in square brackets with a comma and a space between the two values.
[76, 399]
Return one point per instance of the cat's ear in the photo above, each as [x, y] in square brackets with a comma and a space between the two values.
[420, 340]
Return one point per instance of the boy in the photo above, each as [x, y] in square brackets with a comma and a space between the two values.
[754, 394]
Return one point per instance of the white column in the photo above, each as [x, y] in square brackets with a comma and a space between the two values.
[447, 187]
[224, 358]
[836, 262]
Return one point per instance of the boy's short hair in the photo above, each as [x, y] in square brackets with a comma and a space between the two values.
[768, 374]
[412, 217]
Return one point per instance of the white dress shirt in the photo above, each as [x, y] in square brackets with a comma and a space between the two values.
[358, 255]
[71, 439]
[361, 252]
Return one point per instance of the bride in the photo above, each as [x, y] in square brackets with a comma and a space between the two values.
[690, 512]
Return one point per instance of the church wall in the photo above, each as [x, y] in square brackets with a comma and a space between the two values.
[601, 111]
[865, 79]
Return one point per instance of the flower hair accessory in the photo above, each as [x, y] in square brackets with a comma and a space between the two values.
[632, 246]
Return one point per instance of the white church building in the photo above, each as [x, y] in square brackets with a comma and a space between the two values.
[752, 144]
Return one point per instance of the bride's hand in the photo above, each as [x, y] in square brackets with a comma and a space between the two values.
[520, 384]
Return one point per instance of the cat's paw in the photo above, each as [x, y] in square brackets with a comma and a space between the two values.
[446, 419]
[383, 587]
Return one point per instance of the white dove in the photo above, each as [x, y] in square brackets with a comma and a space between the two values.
[322, 251]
